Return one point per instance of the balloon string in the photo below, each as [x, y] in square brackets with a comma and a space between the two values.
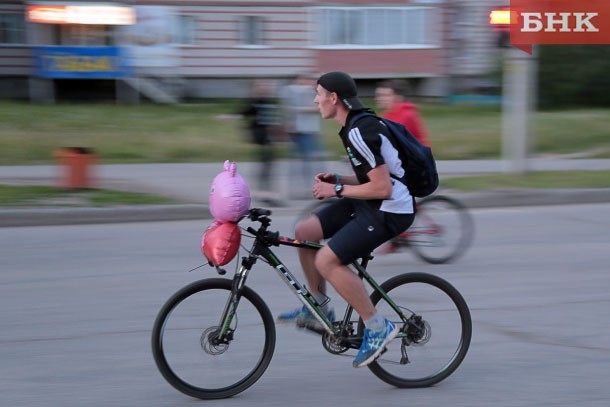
[199, 267]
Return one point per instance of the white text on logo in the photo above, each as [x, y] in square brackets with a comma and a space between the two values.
[533, 22]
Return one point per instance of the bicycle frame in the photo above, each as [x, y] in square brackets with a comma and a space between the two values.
[263, 240]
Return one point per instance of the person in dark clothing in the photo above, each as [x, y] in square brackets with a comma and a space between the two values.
[261, 114]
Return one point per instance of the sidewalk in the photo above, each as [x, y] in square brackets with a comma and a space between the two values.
[190, 183]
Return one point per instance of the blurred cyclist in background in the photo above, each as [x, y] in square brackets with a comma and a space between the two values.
[390, 97]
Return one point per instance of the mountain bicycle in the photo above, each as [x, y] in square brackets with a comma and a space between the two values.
[215, 337]
[442, 231]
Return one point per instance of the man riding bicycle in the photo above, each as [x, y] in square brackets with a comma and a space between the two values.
[375, 207]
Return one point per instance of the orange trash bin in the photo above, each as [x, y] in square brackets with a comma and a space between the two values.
[76, 167]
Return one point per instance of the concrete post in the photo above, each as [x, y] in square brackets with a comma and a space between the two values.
[519, 95]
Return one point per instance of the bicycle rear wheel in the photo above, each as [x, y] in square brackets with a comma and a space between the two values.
[441, 232]
[183, 340]
[427, 350]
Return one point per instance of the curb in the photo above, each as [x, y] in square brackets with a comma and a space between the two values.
[78, 216]
[52, 216]
[530, 197]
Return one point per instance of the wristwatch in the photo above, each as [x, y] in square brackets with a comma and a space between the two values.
[338, 190]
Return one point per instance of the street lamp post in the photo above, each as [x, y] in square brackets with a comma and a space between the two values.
[518, 96]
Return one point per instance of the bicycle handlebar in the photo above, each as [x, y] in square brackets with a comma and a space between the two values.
[255, 214]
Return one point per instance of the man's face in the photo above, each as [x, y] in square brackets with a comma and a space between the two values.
[385, 98]
[326, 102]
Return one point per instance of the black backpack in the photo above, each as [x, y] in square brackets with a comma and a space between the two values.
[421, 176]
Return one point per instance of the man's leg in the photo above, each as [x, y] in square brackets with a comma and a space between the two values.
[345, 282]
[379, 331]
[311, 230]
[372, 231]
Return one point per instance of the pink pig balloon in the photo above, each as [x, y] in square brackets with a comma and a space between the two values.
[229, 195]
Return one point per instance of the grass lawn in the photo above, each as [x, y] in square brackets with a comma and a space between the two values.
[538, 180]
[210, 131]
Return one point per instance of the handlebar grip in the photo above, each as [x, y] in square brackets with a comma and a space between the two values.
[260, 211]
[256, 213]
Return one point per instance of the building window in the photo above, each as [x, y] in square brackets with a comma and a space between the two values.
[379, 27]
[85, 35]
[341, 27]
[251, 31]
[12, 29]
[185, 30]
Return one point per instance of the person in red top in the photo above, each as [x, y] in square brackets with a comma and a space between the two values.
[389, 96]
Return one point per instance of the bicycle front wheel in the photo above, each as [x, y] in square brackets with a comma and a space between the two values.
[434, 340]
[442, 230]
[191, 360]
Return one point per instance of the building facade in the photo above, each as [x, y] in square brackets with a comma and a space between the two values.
[169, 50]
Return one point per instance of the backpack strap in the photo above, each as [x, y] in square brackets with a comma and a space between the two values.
[362, 114]
[359, 116]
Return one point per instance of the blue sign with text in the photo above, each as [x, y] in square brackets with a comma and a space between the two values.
[80, 62]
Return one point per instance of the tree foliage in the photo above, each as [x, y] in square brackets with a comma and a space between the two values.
[574, 75]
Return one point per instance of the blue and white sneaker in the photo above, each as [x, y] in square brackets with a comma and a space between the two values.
[304, 319]
[374, 342]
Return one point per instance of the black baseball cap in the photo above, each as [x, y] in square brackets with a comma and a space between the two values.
[344, 86]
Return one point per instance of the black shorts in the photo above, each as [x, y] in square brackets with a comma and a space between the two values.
[356, 227]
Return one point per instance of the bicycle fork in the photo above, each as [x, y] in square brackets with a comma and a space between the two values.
[224, 333]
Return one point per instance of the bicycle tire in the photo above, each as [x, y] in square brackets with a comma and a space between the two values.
[442, 231]
[445, 311]
[180, 333]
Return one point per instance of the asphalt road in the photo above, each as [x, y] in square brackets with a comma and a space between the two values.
[77, 304]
